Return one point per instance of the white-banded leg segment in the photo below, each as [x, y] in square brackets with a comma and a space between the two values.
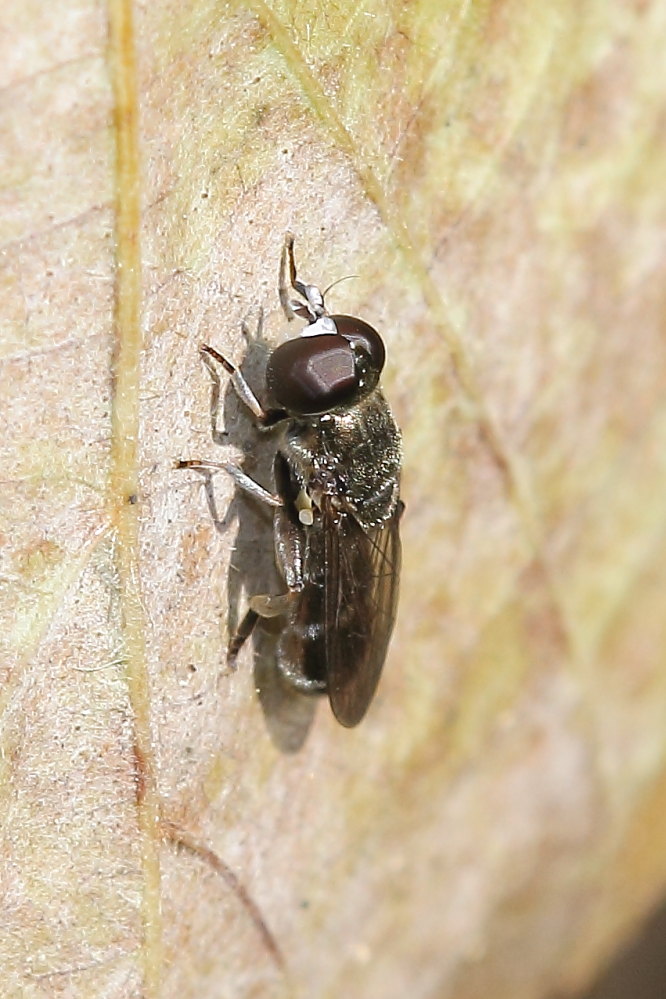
[251, 487]
[241, 387]
[312, 308]
[266, 418]
[263, 605]
[242, 480]
[269, 605]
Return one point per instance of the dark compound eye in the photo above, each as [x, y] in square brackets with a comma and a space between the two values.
[362, 335]
[313, 374]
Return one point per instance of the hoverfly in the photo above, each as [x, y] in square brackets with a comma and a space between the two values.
[336, 500]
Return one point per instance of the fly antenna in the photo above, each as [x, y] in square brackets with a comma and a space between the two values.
[348, 277]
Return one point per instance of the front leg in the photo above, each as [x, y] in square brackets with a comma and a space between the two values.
[265, 418]
[312, 308]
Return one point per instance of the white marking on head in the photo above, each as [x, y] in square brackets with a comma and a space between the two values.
[323, 325]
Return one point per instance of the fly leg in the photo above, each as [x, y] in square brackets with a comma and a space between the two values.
[261, 606]
[288, 663]
[313, 308]
[244, 481]
[265, 418]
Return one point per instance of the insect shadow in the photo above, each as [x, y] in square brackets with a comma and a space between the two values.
[288, 714]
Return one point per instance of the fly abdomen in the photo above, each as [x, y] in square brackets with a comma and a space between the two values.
[301, 652]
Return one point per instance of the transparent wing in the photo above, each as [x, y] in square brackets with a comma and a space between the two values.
[362, 569]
